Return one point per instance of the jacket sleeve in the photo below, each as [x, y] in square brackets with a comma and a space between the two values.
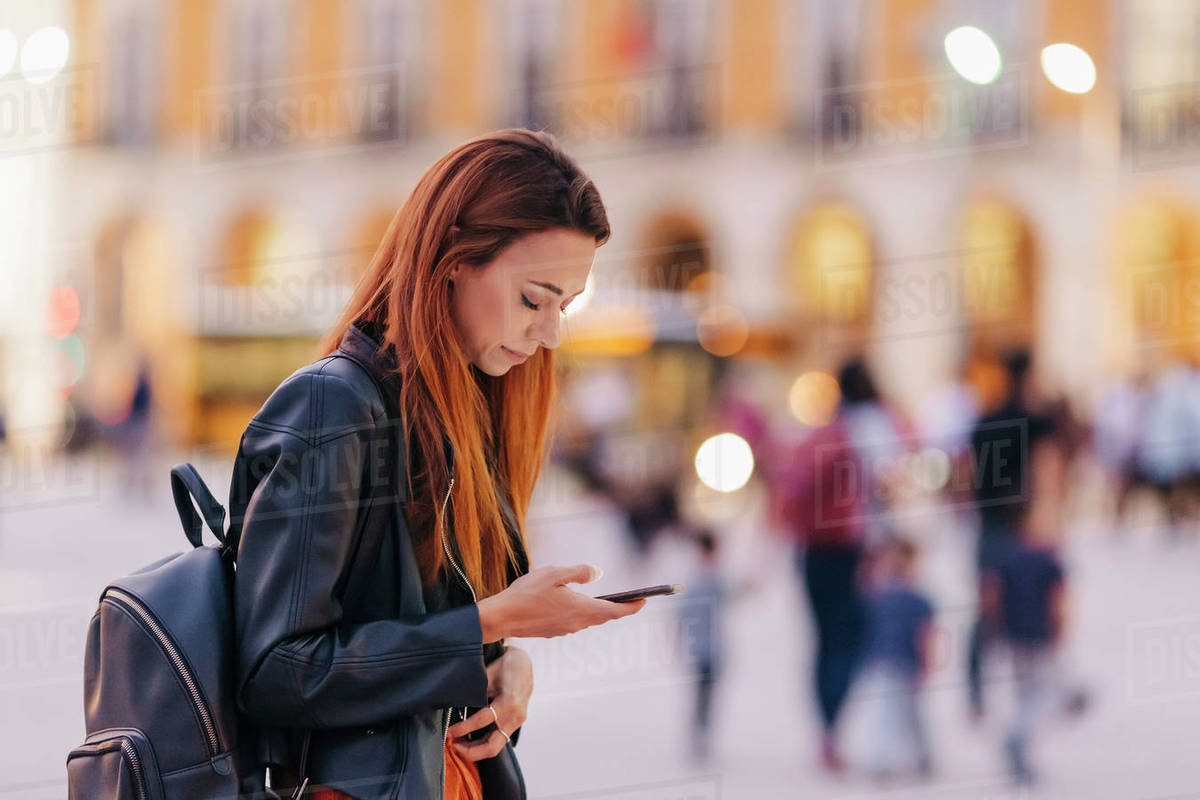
[306, 472]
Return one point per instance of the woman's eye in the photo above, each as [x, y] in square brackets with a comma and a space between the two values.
[528, 304]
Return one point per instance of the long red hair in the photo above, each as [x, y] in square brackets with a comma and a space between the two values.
[469, 206]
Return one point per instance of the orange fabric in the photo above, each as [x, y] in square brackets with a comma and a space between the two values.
[462, 777]
[462, 781]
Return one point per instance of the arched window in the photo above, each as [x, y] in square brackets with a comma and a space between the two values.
[998, 275]
[1159, 252]
[273, 279]
[677, 252]
[830, 267]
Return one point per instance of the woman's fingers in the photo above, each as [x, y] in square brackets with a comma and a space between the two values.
[579, 573]
[625, 609]
[610, 610]
[480, 719]
[509, 716]
[484, 748]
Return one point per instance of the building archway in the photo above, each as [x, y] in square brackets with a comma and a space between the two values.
[1158, 247]
[998, 277]
[830, 271]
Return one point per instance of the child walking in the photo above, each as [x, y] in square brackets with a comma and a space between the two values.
[899, 637]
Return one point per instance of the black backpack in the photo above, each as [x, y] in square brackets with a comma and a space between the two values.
[159, 681]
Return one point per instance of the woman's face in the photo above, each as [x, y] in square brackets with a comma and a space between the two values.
[506, 309]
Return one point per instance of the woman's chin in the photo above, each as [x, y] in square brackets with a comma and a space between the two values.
[494, 367]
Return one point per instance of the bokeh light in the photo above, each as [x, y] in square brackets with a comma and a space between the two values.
[44, 54]
[62, 311]
[724, 462]
[1069, 68]
[973, 54]
[814, 398]
[930, 469]
[722, 330]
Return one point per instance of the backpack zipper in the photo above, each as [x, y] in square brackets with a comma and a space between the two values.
[461, 574]
[135, 764]
[125, 745]
[135, 605]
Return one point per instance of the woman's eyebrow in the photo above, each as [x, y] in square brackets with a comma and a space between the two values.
[549, 286]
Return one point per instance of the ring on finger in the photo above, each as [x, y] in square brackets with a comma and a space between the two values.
[495, 716]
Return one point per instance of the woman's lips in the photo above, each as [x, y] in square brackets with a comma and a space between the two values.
[514, 355]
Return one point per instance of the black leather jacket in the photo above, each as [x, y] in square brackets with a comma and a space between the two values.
[335, 633]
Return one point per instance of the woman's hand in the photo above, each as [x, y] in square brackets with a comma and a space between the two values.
[510, 685]
[540, 604]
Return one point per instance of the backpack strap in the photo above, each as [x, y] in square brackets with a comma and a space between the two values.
[186, 485]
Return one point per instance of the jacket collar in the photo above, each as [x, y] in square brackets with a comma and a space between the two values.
[363, 341]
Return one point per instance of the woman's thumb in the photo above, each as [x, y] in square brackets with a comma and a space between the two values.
[580, 573]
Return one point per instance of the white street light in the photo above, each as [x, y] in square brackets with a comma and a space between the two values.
[973, 54]
[1069, 68]
[44, 54]
[724, 462]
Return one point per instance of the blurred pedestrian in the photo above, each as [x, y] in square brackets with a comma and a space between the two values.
[1000, 445]
[834, 497]
[1023, 599]
[898, 656]
[707, 593]
[1120, 416]
[1166, 454]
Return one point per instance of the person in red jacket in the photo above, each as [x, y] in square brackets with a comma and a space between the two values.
[833, 497]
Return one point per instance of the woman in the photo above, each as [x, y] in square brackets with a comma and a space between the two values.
[834, 498]
[381, 493]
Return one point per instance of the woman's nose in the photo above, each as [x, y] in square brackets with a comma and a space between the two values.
[546, 330]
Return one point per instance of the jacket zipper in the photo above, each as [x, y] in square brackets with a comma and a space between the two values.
[136, 606]
[461, 574]
[125, 745]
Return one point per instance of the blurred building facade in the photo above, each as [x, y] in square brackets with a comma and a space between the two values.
[789, 181]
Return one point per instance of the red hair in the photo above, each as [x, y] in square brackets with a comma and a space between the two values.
[468, 207]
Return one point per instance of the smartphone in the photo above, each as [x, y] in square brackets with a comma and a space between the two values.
[638, 594]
